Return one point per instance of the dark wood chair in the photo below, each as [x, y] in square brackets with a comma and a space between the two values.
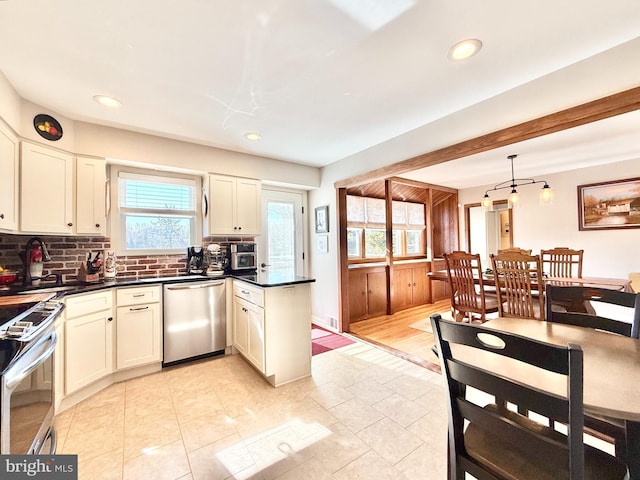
[571, 305]
[562, 262]
[499, 444]
[468, 296]
[518, 277]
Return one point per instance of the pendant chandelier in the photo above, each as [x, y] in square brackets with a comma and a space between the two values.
[546, 194]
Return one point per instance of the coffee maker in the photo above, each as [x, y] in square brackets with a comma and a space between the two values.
[195, 260]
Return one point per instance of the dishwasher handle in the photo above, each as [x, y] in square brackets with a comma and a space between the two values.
[199, 285]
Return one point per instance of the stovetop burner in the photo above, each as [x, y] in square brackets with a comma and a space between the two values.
[23, 322]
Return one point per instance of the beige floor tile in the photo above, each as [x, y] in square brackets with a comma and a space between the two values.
[338, 449]
[402, 411]
[219, 419]
[370, 390]
[222, 459]
[370, 466]
[390, 440]
[355, 414]
[206, 429]
[311, 469]
[424, 463]
[163, 463]
[329, 395]
[143, 434]
[105, 466]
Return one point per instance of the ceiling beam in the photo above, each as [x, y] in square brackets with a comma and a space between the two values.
[616, 104]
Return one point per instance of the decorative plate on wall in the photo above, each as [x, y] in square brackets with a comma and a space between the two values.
[48, 127]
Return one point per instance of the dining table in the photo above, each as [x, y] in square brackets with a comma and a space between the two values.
[611, 372]
[489, 279]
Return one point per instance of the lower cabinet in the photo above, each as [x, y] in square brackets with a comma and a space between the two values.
[249, 331]
[410, 285]
[367, 292]
[272, 329]
[88, 346]
[138, 326]
[138, 335]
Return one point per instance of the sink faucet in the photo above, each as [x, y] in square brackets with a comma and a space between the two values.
[25, 256]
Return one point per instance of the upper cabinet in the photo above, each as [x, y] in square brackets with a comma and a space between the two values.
[9, 156]
[46, 190]
[61, 194]
[234, 206]
[91, 209]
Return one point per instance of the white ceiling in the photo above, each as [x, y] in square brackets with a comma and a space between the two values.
[320, 80]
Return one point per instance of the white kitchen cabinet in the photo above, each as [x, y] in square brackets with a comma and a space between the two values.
[88, 346]
[272, 329]
[138, 326]
[9, 166]
[59, 364]
[46, 190]
[234, 206]
[90, 196]
[249, 332]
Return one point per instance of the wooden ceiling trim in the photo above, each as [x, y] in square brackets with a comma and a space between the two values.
[612, 105]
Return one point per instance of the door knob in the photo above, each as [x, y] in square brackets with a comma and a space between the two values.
[263, 265]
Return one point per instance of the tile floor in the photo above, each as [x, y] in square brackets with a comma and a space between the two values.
[364, 414]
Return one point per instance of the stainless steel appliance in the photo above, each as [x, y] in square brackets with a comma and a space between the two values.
[27, 346]
[194, 320]
[243, 256]
[195, 260]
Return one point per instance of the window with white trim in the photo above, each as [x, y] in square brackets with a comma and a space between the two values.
[156, 213]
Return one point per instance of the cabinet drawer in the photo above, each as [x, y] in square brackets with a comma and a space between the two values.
[83, 304]
[250, 293]
[137, 295]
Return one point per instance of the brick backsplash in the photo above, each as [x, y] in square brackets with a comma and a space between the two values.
[68, 252]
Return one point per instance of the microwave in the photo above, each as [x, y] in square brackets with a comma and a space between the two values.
[243, 256]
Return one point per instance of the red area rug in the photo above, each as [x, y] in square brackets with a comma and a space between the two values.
[323, 340]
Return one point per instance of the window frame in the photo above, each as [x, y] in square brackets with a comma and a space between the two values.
[118, 214]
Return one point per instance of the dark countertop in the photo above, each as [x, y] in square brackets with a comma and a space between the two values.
[261, 279]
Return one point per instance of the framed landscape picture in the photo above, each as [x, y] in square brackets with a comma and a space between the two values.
[609, 205]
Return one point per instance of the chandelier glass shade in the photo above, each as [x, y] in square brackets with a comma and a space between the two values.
[546, 194]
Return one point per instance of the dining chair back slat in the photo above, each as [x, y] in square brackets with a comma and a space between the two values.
[517, 279]
[562, 262]
[572, 305]
[489, 441]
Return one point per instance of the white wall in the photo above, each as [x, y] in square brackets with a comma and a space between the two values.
[604, 74]
[607, 253]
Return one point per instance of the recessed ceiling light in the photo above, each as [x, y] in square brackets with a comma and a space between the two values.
[464, 49]
[254, 137]
[107, 101]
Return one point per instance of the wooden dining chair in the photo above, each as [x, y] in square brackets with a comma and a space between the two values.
[571, 305]
[518, 277]
[562, 262]
[468, 296]
[489, 441]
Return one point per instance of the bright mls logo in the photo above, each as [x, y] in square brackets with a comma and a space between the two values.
[50, 467]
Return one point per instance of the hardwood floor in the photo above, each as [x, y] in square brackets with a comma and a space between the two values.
[398, 333]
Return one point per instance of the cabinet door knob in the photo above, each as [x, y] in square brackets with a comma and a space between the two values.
[363, 292]
[409, 285]
[110, 319]
[97, 225]
[69, 224]
[368, 291]
[239, 228]
[414, 284]
[2, 216]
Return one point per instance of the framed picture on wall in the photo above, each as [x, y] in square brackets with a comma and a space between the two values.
[609, 205]
[323, 243]
[322, 219]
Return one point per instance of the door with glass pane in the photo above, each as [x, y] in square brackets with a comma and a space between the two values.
[280, 247]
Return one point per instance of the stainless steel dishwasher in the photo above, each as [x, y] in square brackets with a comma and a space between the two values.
[195, 318]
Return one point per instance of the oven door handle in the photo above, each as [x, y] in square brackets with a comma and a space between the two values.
[48, 344]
